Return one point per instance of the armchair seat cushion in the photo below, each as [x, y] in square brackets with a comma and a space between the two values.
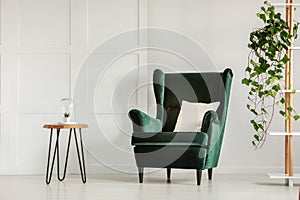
[169, 139]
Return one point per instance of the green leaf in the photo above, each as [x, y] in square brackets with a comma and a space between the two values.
[271, 72]
[296, 25]
[264, 110]
[283, 35]
[276, 88]
[246, 81]
[253, 143]
[287, 118]
[261, 126]
[256, 137]
[248, 69]
[272, 93]
[278, 103]
[285, 46]
[248, 106]
[264, 66]
[279, 70]
[294, 91]
[282, 100]
[253, 74]
[290, 109]
[255, 64]
[255, 83]
[263, 17]
[255, 126]
[260, 94]
[278, 16]
[254, 111]
[258, 70]
[285, 59]
[282, 113]
[296, 117]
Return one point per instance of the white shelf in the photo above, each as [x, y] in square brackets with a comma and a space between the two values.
[297, 91]
[283, 176]
[294, 48]
[285, 4]
[284, 133]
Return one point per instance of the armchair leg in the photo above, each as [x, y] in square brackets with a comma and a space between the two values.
[141, 174]
[198, 174]
[169, 175]
[210, 173]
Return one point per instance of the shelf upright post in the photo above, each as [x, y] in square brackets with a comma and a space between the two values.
[289, 170]
[286, 162]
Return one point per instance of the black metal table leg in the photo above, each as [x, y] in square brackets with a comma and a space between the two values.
[57, 151]
[48, 179]
[66, 161]
[48, 176]
[81, 164]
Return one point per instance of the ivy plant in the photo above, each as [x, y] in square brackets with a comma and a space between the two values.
[264, 74]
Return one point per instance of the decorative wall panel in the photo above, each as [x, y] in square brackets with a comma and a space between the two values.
[109, 17]
[43, 80]
[44, 22]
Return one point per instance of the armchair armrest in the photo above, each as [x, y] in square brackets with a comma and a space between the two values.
[212, 126]
[142, 122]
[209, 117]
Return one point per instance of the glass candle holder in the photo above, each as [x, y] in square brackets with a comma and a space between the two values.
[67, 110]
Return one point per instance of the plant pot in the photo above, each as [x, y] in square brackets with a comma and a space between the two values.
[66, 119]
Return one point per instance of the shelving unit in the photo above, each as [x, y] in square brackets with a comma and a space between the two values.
[288, 134]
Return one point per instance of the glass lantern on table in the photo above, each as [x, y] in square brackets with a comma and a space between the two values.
[67, 110]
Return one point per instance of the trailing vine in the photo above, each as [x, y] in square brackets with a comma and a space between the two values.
[265, 71]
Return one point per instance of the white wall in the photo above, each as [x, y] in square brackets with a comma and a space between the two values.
[44, 44]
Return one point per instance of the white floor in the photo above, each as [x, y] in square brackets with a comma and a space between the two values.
[106, 187]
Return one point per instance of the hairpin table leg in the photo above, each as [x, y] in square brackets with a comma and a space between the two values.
[49, 173]
[81, 164]
[66, 161]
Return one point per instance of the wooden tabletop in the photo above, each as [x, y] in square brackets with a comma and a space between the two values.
[65, 126]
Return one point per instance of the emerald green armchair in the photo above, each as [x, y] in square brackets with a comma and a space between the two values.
[155, 143]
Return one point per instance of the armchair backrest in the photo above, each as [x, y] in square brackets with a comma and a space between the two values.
[172, 88]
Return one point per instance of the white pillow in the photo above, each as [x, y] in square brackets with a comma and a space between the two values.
[191, 115]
